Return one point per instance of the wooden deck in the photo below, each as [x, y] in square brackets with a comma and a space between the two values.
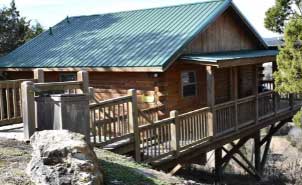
[179, 136]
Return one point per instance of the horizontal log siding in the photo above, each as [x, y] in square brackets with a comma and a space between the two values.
[222, 85]
[246, 81]
[170, 86]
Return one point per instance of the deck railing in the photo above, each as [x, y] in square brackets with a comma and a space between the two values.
[109, 120]
[10, 101]
[157, 139]
[119, 120]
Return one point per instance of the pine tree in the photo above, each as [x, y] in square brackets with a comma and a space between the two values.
[285, 17]
[15, 30]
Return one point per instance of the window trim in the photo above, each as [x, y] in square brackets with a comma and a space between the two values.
[182, 84]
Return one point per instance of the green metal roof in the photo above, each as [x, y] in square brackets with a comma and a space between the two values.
[232, 55]
[140, 38]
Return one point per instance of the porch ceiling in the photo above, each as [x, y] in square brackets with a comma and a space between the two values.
[232, 58]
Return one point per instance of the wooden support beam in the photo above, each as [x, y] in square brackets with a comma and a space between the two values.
[211, 100]
[250, 165]
[257, 152]
[234, 150]
[241, 164]
[39, 75]
[28, 109]
[133, 120]
[291, 101]
[265, 153]
[256, 91]
[272, 131]
[175, 169]
[218, 164]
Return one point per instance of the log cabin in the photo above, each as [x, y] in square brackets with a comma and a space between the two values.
[165, 53]
[204, 60]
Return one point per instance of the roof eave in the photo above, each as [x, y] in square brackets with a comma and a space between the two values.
[89, 69]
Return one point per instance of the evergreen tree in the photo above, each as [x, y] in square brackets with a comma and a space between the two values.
[285, 17]
[15, 30]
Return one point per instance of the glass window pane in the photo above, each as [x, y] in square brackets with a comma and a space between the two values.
[68, 77]
[189, 90]
[185, 78]
[192, 77]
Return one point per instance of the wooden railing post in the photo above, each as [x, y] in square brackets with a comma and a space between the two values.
[211, 100]
[257, 96]
[91, 94]
[39, 75]
[175, 133]
[83, 77]
[236, 96]
[28, 108]
[291, 101]
[133, 120]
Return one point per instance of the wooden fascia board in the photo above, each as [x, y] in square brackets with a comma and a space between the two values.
[245, 61]
[204, 63]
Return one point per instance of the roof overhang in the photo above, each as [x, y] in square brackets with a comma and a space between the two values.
[89, 69]
[232, 58]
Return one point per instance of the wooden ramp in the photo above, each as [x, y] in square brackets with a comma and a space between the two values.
[120, 126]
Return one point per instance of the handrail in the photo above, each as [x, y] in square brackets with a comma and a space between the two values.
[223, 105]
[265, 93]
[56, 86]
[195, 111]
[246, 99]
[110, 101]
[157, 123]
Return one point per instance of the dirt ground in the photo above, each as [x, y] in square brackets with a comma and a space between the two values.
[14, 156]
[284, 167]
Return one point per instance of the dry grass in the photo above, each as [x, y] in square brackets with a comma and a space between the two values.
[14, 157]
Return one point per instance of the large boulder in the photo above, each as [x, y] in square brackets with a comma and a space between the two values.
[63, 157]
[295, 136]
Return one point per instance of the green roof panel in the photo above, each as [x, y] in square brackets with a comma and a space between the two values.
[140, 38]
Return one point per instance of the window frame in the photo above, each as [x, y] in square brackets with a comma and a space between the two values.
[183, 84]
[63, 74]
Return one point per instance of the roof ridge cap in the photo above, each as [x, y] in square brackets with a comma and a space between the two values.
[152, 8]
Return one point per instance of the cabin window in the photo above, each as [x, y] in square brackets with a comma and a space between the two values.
[188, 80]
[65, 77]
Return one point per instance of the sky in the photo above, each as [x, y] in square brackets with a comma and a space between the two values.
[50, 12]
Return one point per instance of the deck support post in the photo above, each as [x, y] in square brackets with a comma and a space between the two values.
[291, 101]
[257, 151]
[133, 120]
[39, 75]
[28, 109]
[257, 96]
[218, 164]
[276, 96]
[236, 96]
[211, 101]
[84, 78]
